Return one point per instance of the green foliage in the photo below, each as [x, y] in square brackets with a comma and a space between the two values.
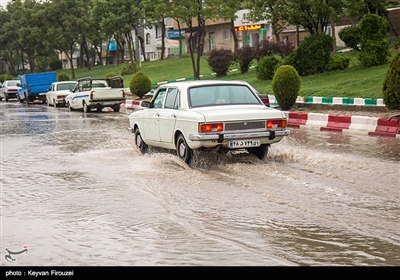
[111, 74]
[391, 84]
[55, 64]
[266, 67]
[140, 84]
[266, 48]
[219, 61]
[286, 86]
[313, 55]
[374, 40]
[4, 77]
[351, 36]
[125, 69]
[338, 62]
[244, 56]
[63, 77]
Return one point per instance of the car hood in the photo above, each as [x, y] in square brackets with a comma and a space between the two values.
[235, 112]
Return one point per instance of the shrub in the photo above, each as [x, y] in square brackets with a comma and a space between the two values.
[110, 75]
[4, 77]
[140, 84]
[374, 53]
[391, 84]
[313, 55]
[63, 77]
[338, 62]
[266, 48]
[55, 64]
[244, 56]
[286, 86]
[374, 40]
[351, 36]
[219, 61]
[266, 67]
[125, 69]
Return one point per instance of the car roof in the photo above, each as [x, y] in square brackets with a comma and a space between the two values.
[11, 81]
[187, 84]
[65, 82]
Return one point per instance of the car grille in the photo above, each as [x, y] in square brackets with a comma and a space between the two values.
[244, 125]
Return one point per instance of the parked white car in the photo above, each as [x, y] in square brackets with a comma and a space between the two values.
[58, 91]
[9, 89]
[205, 114]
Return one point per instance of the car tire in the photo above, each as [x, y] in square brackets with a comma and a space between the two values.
[139, 142]
[69, 107]
[116, 108]
[183, 151]
[260, 152]
[6, 99]
[86, 108]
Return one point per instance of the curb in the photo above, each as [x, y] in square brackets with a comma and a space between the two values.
[388, 127]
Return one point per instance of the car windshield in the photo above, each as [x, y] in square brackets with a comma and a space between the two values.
[66, 86]
[220, 95]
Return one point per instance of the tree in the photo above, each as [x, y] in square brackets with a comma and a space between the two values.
[194, 13]
[63, 30]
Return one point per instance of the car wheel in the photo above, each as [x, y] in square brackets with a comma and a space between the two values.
[6, 99]
[139, 142]
[86, 108]
[70, 108]
[54, 103]
[99, 109]
[260, 152]
[116, 108]
[183, 150]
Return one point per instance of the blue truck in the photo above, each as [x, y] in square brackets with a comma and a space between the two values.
[34, 86]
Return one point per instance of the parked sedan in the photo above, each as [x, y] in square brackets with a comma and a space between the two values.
[58, 91]
[196, 115]
[9, 89]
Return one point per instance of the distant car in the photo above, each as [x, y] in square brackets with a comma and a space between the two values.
[9, 90]
[195, 115]
[97, 93]
[58, 91]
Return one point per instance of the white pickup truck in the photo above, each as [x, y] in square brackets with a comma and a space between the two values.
[97, 93]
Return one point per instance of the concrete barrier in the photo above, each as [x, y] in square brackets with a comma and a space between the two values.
[337, 123]
[387, 127]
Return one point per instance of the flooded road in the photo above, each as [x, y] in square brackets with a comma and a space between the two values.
[76, 192]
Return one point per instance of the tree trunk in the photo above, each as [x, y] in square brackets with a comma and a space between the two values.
[333, 34]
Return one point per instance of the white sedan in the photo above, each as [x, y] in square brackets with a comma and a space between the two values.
[205, 114]
[58, 91]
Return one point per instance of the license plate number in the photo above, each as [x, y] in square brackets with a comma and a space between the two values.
[235, 144]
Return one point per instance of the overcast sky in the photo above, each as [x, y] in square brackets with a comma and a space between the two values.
[4, 3]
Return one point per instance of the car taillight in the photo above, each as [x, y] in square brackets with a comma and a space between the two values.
[91, 94]
[276, 123]
[210, 127]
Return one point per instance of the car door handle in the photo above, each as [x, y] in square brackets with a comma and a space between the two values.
[173, 115]
[157, 114]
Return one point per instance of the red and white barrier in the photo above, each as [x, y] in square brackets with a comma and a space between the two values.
[343, 123]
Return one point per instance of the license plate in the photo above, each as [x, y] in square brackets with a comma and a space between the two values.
[236, 144]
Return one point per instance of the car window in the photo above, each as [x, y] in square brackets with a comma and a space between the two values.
[170, 100]
[66, 86]
[158, 101]
[216, 95]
